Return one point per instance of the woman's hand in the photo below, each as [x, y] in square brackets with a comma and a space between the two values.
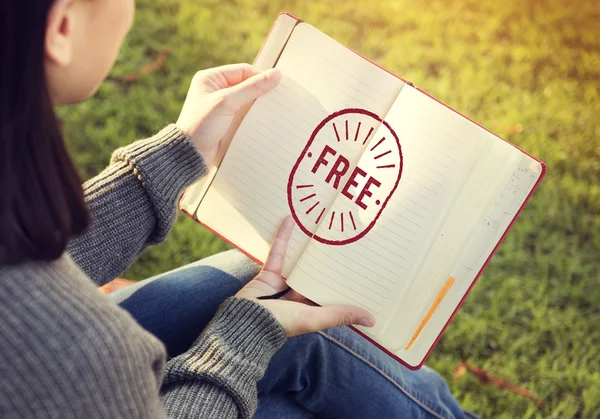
[295, 313]
[215, 96]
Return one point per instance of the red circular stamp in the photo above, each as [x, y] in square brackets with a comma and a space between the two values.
[345, 176]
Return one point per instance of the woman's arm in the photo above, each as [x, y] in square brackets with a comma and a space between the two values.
[217, 377]
[67, 351]
[132, 202]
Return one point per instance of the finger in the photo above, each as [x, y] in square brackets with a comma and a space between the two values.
[319, 318]
[237, 73]
[229, 75]
[273, 280]
[248, 90]
[276, 256]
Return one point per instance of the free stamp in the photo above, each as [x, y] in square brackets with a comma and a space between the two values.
[345, 176]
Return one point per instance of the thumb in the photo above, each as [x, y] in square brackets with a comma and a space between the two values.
[320, 318]
[251, 88]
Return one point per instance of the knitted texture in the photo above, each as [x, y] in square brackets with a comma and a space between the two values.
[133, 202]
[67, 351]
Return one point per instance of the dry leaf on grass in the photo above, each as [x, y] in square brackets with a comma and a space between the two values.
[514, 129]
[485, 377]
[155, 65]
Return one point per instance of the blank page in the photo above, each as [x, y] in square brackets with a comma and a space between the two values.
[516, 185]
[248, 198]
[460, 223]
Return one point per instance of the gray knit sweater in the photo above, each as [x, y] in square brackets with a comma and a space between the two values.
[67, 351]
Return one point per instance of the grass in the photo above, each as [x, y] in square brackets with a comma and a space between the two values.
[528, 70]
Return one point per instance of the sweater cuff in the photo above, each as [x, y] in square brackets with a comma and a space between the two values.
[249, 328]
[232, 354]
[164, 164]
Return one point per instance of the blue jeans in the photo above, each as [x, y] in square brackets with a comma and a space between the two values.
[331, 374]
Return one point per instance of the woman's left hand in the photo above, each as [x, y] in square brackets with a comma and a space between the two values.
[215, 95]
[296, 314]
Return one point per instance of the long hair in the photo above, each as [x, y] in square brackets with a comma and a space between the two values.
[41, 198]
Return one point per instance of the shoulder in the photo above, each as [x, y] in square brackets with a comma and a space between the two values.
[63, 342]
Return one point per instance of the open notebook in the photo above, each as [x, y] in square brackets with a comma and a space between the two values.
[399, 201]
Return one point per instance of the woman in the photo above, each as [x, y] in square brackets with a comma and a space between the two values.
[66, 351]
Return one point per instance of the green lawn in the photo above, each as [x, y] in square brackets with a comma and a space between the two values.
[533, 317]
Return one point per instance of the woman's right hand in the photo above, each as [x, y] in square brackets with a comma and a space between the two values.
[214, 97]
[294, 312]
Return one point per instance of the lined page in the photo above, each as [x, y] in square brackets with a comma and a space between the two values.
[248, 198]
[462, 221]
[517, 182]
[375, 272]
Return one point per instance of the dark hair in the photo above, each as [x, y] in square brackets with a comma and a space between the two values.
[41, 198]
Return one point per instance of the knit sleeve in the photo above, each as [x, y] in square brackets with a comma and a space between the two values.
[217, 377]
[133, 202]
[67, 351]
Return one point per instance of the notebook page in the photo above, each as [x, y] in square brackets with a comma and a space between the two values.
[438, 150]
[486, 178]
[514, 189]
[248, 198]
